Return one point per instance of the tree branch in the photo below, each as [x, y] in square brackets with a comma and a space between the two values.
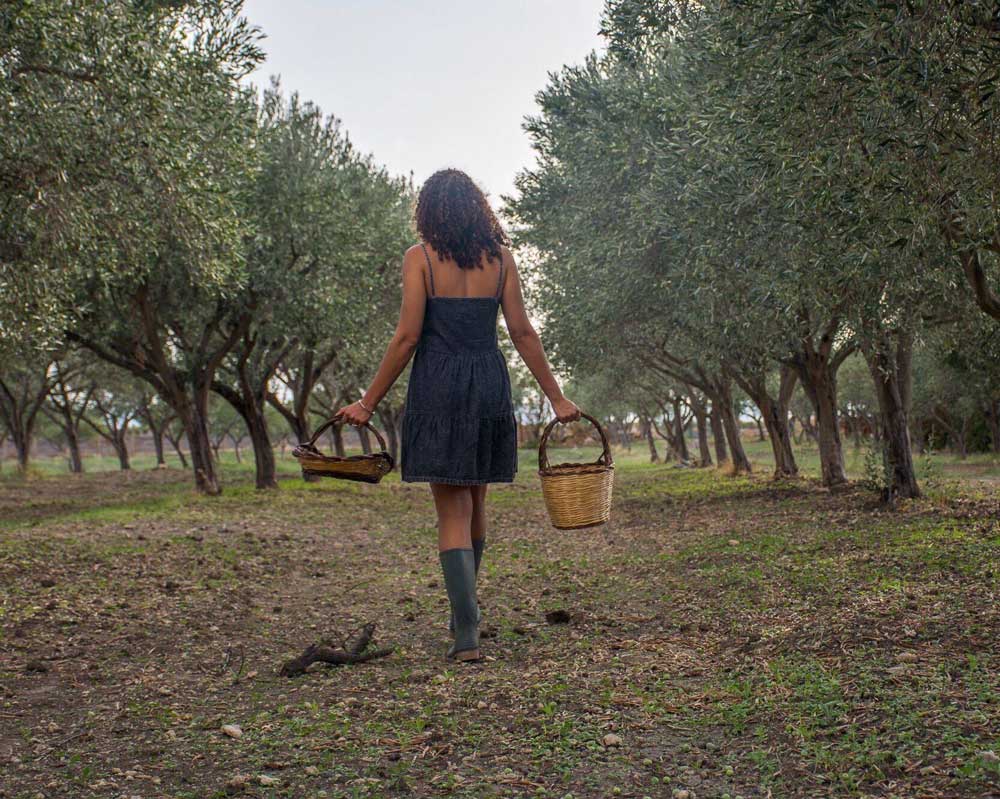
[41, 69]
[986, 298]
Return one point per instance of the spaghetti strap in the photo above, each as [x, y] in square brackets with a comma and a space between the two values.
[430, 269]
[500, 280]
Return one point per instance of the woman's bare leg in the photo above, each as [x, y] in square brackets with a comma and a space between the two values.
[478, 528]
[454, 512]
[455, 550]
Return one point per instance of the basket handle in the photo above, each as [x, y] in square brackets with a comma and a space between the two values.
[338, 419]
[543, 455]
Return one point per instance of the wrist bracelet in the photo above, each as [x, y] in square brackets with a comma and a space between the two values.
[361, 402]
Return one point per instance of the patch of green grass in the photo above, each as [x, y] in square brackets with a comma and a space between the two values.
[666, 482]
[851, 724]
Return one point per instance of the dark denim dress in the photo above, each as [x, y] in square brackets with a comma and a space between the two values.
[458, 426]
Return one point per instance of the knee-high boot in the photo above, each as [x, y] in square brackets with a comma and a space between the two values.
[478, 545]
[459, 567]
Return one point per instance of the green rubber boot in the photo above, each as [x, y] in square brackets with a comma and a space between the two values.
[459, 567]
[478, 545]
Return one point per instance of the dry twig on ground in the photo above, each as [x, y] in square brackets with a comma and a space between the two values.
[347, 653]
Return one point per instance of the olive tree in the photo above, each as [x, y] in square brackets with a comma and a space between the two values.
[154, 298]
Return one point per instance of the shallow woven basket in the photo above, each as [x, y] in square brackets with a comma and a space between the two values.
[362, 468]
[577, 495]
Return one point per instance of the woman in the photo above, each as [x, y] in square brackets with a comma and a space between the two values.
[459, 432]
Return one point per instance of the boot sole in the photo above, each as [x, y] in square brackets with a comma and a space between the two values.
[467, 655]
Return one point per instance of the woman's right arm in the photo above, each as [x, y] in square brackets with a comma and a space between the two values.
[529, 345]
[403, 344]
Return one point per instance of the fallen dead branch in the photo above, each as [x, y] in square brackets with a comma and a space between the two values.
[348, 652]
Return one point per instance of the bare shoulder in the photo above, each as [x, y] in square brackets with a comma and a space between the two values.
[509, 262]
[414, 253]
[413, 260]
[508, 257]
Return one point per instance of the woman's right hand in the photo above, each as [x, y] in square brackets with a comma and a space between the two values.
[355, 414]
[565, 410]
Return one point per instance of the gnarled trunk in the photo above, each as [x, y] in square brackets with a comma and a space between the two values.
[718, 435]
[817, 361]
[249, 404]
[723, 400]
[774, 416]
[890, 367]
[70, 409]
[161, 460]
[700, 413]
[647, 433]
[73, 444]
[157, 428]
[175, 442]
[704, 454]
[194, 416]
[22, 447]
[70, 426]
[265, 467]
[121, 449]
[114, 430]
[819, 379]
[781, 440]
[20, 403]
[679, 434]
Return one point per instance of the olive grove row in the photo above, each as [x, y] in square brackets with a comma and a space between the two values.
[745, 196]
[169, 235]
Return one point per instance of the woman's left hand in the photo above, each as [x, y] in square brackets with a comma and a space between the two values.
[354, 414]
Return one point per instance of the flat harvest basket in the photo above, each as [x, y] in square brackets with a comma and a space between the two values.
[361, 468]
[577, 495]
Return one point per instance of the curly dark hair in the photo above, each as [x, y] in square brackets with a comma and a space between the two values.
[455, 219]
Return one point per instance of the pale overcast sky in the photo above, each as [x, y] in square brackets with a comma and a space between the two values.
[422, 85]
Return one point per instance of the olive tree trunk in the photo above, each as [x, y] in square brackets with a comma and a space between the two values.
[175, 442]
[718, 435]
[646, 426]
[700, 413]
[22, 396]
[817, 368]
[193, 414]
[723, 402]
[890, 364]
[249, 404]
[774, 415]
[683, 455]
[161, 459]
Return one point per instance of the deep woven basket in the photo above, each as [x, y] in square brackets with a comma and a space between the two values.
[361, 468]
[577, 495]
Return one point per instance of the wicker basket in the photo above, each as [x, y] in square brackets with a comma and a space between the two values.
[577, 495]
[362, 468]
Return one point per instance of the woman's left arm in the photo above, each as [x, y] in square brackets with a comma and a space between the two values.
[404, 341]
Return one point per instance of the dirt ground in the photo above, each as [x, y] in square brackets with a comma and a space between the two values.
[725, 638]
